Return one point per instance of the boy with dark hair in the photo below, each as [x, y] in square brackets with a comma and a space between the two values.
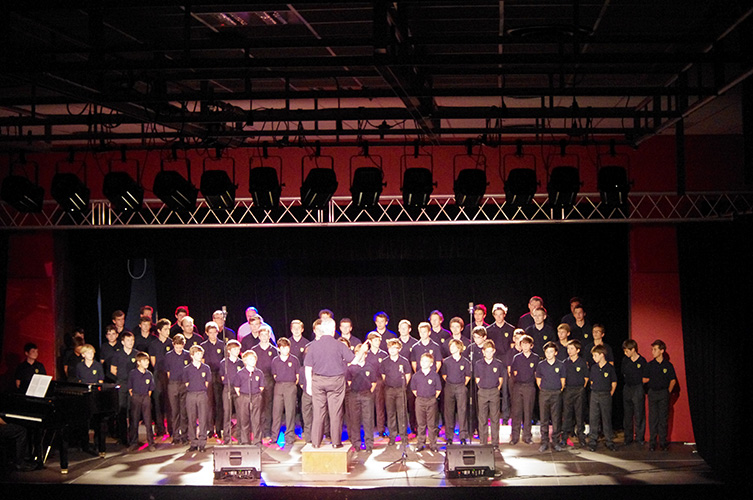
[597, 333]
[285, 368]
[456, 372]
[426, 387]
[574, 395]
[214, 353]
[633, 371]
[158, 349]
[361, 379]
[249, 385]
[175, 363]
[108, 349]
[28, 368]
[396, 372]
[198, 376]
[603, 379]
[489, 377]
[140, 385]
[265, 353]
[522, 376]
[229, 368]
[661, 380]
[550, 377]
[541, 332]
[123, 363]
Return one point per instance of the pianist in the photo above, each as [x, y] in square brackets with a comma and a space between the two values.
[28, 368]
[12, 435]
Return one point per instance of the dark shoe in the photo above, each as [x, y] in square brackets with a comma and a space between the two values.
[369, 449]
[528, 441]
[391, 442]
[543, 447]
[592, 446]
[513, 442]
[202, 449]
[463, 442]
[151, 447]
[433, 448]
[193, 448]
[558, 447]
[338, 445]
[611, 447]
[652, 447]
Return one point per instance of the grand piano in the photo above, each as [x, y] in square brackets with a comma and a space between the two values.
[65, 406]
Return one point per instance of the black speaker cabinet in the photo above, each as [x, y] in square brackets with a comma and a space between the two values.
[240, 461]
[469, 461]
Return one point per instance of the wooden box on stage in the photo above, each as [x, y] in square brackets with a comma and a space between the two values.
[324, 460]
[240, 461]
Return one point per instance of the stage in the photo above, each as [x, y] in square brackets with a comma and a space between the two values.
[173, 470]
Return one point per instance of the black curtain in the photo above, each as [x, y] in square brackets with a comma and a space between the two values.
[290, 273]
[716, 276]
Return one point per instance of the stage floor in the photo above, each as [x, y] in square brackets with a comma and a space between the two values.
[515, 465]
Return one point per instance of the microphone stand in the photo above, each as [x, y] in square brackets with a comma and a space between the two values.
[472, 392]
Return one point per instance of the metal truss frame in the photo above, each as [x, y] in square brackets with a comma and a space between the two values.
[441, 210]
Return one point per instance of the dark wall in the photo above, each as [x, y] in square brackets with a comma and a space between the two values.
[292, 273]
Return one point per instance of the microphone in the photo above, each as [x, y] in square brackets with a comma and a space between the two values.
[224, 312]
[470, 307]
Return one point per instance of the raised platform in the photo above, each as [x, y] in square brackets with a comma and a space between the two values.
[325, 459]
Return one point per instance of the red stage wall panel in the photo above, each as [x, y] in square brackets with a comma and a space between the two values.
[655, 311]
[29, 303]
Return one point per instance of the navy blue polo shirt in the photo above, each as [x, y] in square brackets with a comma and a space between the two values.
[609, 356]
[232, 369]
[249, 382]
[394, 371]
[551, 375]
[440, 337]
[541, 337]
[426, 385]
[361, 377]
[285, 371]
[633, 372]
[159, 349]
[140, 383]
[142, 343]
[196, 378]
[375, 358]
[93, 374]
[175, 364]
[562, 354]
[298, 347]
[455, 371]
[107, 351]
[386, 335]
[195, 339]
[576, 372]
[601, 378]
[526, 368]
[407, 346]
[125, 363]
[581, 333]
[419, 349]
[446, 347]
[264, 358]
[213, 354]
[328, 357]
[502, 337]
[660, 374]
[489, 374]
[474, 352]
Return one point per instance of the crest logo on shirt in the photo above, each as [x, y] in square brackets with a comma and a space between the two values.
[219, 351]
[494, 369]
[664, 370]
[368, 373]
[400, 368]
[133, 360]
[185, 362]
[556, 370]
[585, 335]
[443, 340]
[462, 367]
[36, 370]
[147, 381]
[531, 365]
[431, 351]
[270, 352]
[203, 374]
[290, 364]
[577, 369]
[429, 381]
[638, 365]
[606, 374]
[167, 348]
[94, 372]
[257, 378]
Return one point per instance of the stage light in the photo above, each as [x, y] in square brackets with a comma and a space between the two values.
[264, 187]
[318, 188]
[22, 194]
[613, 185]
[563, 186]
[70, 192]
[218, 189]
[367, 186]
[418, 184]
[175, 191]
[470, 187]
[125, 194]
[520, 186]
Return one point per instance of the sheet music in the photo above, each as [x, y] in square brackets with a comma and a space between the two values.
[39, 385]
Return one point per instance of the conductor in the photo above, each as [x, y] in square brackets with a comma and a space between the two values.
[325, 367]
